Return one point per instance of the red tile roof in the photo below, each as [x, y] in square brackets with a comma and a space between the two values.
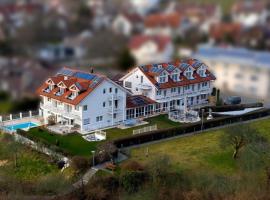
[159, 20]
[218, 31]
[132, 17]
[138, 101]
[85, 86]
[182, 65]
[139, 40]
[248, 6]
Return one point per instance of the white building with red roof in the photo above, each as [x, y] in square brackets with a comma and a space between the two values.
[89, 101]
[170, 83]
[127, 23]
[151, 49]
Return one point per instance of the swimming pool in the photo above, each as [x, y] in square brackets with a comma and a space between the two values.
[20, 126]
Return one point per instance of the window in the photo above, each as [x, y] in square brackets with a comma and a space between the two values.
[104, 104]
[114, 115]
[179, 90]
[174, 77]
[49, 99]
[84, 107]
[158, 92]
[201, 72]
[77, 108]
[110, 90]
[104, 90]
[141, 79]
[110, 103]
[193, 87]
[204, 84]
[128, 84]
[137, 89]
[116, 90]
[165, 93]
[189, 73]
[137, 76]
[173, 90]
[86, 121]
[99, 118]
[162, 77]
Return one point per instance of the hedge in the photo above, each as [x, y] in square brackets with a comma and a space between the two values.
[227, 108]
[187, 128]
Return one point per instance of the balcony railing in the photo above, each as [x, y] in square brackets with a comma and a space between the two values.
[144, 86]
[61, 111]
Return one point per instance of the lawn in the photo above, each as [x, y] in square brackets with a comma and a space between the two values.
[74, 144]
[162, 122]
[202, 151]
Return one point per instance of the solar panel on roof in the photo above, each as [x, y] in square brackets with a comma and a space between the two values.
[65, 72]
[85, 76]
[95, 82]
[170, 68]
[138, 101]
[184, 65]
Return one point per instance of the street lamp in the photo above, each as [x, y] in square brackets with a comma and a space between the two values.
[93, 152]
[202, 120]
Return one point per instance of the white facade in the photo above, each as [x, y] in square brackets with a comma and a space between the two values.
[122, 25]
[103, 107]
[170, 98]
[149, 52]
[238, 70]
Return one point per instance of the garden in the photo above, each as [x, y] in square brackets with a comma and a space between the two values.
[74, 145]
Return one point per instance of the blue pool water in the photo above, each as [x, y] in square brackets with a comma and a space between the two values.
[21, 126]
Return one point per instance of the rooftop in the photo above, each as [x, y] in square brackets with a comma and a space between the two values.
[234, 55]
[72, 81]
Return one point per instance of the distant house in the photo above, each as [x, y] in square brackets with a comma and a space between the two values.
[54, 53]
[201, 16]
[249, 13]
[225, 32]
[20, 77]
[144, 6]
[149, 49]
[238, 70]
[127, 23]
[163, 24]
[79, 43]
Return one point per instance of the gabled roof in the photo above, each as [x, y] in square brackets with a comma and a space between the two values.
[151, 74]
[139, 40]
[85, 82]
[172, 20]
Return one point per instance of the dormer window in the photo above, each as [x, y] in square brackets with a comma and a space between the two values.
[163, 78]
[201, 71]
[60, 92]
[73, 95]
[175, 76]
[189, 73]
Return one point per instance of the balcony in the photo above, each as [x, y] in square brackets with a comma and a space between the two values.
[144, 86]
[114, 110]
[60, 111]
[114, 97]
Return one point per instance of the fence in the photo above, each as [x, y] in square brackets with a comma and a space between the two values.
[188, 128]
[145, 129]
[21, 115]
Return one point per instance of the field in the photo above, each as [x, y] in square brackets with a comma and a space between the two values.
[202, 151]
[74, 144]
[22, 163]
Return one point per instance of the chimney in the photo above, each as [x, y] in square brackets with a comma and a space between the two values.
[65, 78]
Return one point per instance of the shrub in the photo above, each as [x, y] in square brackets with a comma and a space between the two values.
[79, 163]
[132, 166]
[132, 180]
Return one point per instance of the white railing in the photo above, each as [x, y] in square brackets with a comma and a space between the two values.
[144, 86]
[145, 129]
